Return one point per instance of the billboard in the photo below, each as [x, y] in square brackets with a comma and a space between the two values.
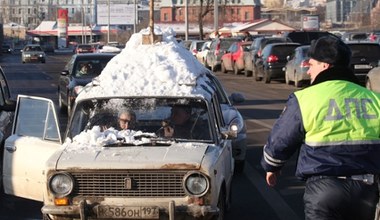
[119, 14]
[310, 22]
[62, 23]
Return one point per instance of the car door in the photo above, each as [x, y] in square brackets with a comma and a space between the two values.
[35, 137]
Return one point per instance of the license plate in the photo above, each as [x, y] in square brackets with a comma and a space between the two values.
[150, 212]
[362, 66]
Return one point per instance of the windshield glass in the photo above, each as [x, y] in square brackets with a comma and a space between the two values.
[177, 119]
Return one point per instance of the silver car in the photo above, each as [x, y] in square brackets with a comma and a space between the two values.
[33, 53]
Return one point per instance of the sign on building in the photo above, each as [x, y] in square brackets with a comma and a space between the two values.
[118, 14]
[310, 22]
[62, 23]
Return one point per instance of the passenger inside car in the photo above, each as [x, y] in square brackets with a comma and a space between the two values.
[85, 69]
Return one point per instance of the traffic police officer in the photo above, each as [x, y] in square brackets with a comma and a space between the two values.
[335, 126]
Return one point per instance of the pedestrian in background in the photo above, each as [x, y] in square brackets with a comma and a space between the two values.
[334, 125]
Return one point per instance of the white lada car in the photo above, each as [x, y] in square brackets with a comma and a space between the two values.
[97, 171]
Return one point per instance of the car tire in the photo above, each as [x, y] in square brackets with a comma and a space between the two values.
[247, 72]
[368, 84]
[223, 68]
[236, 69]
[221, 206]
[287, 81]
[239, 166]
[297, 83]
[256, 74]
[213, 68]
[267, 78]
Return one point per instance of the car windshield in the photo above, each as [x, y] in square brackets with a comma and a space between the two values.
[365, 50]
[33, 48]
[90, 68]
[151, 118]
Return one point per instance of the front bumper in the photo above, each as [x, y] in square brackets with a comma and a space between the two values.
[166, 211]
[34, 59]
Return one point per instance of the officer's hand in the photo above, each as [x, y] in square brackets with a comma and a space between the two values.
[168, 131]
[272, 178]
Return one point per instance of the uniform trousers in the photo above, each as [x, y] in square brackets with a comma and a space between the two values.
[328, 198]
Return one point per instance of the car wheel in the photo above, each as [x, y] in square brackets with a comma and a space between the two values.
[221, 206]
[266, 77]
[368, 84]
[236, 69]
[223, 68]
[213, 68]
[287, 81]
[256, 74]
[43, 61]
[247, 72]
[239, 166]
[297, 83]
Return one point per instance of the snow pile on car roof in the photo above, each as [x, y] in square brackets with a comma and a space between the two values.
[164, 68]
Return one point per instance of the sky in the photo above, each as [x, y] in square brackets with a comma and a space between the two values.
[163, 68]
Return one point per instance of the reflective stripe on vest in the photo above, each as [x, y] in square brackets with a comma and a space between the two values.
[339, 112]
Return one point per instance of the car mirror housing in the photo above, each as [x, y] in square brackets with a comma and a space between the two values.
[10, 105]
[229, 133]
[237, 98]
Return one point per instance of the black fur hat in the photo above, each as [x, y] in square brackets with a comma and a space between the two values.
[331, 50]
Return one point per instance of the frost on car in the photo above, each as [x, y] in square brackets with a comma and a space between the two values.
[97, 171]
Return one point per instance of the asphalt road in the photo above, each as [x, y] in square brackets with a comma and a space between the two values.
[252, 198]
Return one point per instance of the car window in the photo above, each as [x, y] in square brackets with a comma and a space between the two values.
[365, 50]
[33, 48]
[94, 67]
[150, 114]
[283, 50]
[38, 120]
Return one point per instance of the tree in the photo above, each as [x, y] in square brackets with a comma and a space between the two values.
[204, 8]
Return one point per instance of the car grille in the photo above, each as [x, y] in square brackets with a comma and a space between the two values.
[129, 184]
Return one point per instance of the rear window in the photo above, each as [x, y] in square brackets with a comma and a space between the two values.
[225, 44]
[85, 46]
[365, 50]
[283, 50]
[307, 36]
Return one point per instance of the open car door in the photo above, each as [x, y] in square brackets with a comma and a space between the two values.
[35, 137]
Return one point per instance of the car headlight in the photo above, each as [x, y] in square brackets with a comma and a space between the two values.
[196, 184]
[41, 55]
[61, 184]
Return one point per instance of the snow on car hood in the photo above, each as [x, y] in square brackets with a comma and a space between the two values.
[89, 150]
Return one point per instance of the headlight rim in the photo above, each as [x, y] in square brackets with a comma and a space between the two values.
[185, 179]
[59, 195]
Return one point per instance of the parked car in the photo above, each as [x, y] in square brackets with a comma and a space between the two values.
[201, 55]
[33, 53]
[273, 60]
[217, 49]
[7, 108]
[84, 48]
[6, 48]
[234, 58]
[140, 173]
[297, 66]
[71, 83]
[196, 46]
[256, 48]
[365, 56]
[372, 81]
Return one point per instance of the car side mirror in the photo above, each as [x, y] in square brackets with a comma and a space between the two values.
[65, 73]
[21, 51]
[237, 98]
[10, 105]
[229, 134]
[288, 58]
